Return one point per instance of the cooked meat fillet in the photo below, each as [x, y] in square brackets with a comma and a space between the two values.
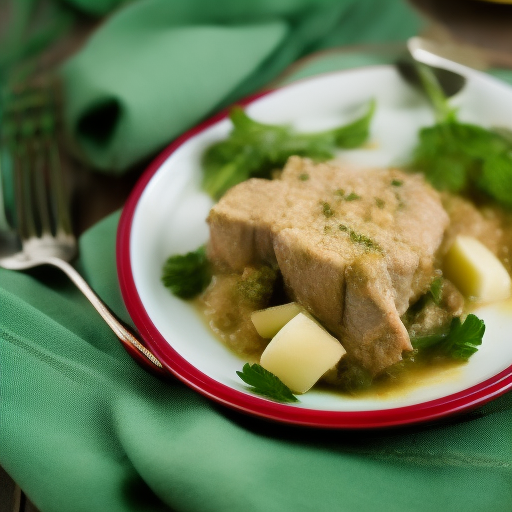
[354, 246]
[370, 318]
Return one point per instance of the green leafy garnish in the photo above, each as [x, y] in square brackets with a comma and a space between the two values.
[255, 149]
[460, 342]
[265, 383]
[462, 157]
[187, 275]
[436, 290]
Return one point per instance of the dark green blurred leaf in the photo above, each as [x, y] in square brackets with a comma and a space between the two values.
[255, 149]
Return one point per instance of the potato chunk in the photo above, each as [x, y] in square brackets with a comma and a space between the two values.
[268, 322]
[300, 353]
[476, 271]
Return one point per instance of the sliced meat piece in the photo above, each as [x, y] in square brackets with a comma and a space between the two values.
[241, 224]
[372, 330]
[313, 274]
[319, 220]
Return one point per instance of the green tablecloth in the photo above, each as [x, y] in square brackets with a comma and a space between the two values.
[83, 428]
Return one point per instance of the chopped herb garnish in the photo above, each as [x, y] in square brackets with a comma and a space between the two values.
[340, 193]
[361, 239]
[401, 204]
[304, 177]
[380, 203]
[397, 183]
[187, 275]
[460, 342]
[352, 197]
[265, 383]
[327, 210]
[255, 149]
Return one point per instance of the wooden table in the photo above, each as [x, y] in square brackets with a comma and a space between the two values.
[481, 31]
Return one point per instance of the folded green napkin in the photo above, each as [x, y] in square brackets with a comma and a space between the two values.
[83, 428]
[160, 66]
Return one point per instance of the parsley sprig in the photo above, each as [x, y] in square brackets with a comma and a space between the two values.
[187, 275]
[265, 383]
[256, 149]
[462, 157]
[460, 342]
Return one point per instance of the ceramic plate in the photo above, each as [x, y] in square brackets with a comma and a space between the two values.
[166, 215]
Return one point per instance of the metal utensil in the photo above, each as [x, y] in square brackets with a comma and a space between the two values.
[449, 74]
[43, 222]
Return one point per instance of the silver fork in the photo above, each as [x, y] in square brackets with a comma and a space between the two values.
[42, 217]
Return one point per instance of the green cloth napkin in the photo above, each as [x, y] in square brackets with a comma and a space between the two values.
[160, 66]
[83, 428]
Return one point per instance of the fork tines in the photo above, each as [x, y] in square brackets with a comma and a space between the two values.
[30, 153]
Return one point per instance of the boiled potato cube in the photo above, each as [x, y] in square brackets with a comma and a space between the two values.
[300, 353]
[476, 271]
[268, 322]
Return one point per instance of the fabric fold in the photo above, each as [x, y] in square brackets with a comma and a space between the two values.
[177, 80]
[156, 68]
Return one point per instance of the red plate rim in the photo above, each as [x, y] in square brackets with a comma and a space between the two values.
[254, 405]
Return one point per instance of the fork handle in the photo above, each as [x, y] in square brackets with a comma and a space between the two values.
[134, 347]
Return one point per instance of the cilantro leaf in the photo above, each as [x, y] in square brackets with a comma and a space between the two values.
[462, 157]
[187, 275]
[256, 149]
[265, 383]
[460, 342]
[441, 157]
[496, 177]
[354, 134]
[464, 339]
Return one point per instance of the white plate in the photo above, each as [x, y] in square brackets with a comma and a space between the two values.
[166, 215]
